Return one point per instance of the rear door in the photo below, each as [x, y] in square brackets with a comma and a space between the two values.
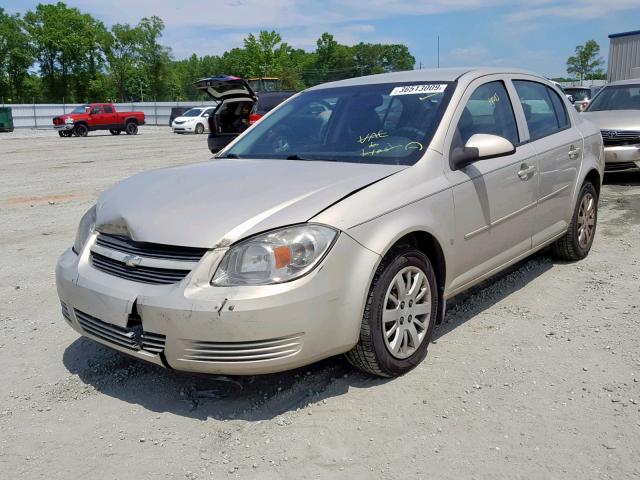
[226, 87]
[558, 145]
[494, 199]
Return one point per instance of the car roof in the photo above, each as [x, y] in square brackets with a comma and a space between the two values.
[631, 81]
[426, 75]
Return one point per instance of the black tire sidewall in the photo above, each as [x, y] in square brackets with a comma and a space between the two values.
[199, 129]
[387, 362]
[586, 188]
[131, 128]
[81, 130]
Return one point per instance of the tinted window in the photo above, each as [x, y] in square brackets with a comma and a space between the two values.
[268, 102]
[538, 109]
[375, 123]
[108, 109]
[488, 111]
[559, 108]
[96, 110]
[578, 94]
[620, 97]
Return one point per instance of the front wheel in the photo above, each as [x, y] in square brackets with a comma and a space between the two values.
[399, 315]
[576, 243]
[199, 129]
[114, 131]
[131, 128]
[81, 130]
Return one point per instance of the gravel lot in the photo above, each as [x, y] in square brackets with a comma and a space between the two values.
[535, 374]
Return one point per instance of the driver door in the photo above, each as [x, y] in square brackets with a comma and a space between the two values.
[495, 198]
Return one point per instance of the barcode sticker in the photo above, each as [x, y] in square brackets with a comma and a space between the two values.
[417, 89]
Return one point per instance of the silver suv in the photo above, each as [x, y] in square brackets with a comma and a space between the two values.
[342, 222]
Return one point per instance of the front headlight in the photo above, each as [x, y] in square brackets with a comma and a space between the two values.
[87, 224]
[275, 257]
[68, 120]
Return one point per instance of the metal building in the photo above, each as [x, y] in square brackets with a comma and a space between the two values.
[624, 56]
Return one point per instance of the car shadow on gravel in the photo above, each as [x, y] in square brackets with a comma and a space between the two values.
[261, 397]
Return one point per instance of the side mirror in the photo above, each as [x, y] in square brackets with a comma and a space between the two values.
[206, 115]
[571, 99]
[480, 146]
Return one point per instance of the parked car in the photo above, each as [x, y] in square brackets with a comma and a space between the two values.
[176, 112]
[97, 116]
[342, 222]
[193, 121]
[616, 111]
[239, 107]
[581, 96]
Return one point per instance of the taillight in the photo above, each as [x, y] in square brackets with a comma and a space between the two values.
[254, 117]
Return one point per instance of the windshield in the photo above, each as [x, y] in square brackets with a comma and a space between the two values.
[621, 97]
[382, 123]
[578, 94]
[194, 112]
[80, 109]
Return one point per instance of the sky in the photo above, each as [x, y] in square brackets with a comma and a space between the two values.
[538, 35]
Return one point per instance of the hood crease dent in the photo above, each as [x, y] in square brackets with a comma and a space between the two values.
[217, 203]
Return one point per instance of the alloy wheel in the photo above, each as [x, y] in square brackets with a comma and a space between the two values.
[407, 308]
[586, 220]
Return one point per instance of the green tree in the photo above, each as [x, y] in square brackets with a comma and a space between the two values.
[67, 48]
[586, 62]
[154, 57]
[16, 56]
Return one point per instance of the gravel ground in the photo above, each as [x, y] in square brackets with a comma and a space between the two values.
[535, 374]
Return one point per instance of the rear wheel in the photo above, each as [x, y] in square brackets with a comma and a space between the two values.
[115, 132]
[80, 130]
[399, 315]
[199, 129]
[576, 243]
[131, 128]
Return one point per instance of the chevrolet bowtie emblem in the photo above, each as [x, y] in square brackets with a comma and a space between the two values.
[132, 260]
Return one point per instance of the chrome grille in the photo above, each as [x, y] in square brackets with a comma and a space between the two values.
[243, 351]
[619, 167]
[150, 250]
[152, 275]
[130, 338]
[620, 137]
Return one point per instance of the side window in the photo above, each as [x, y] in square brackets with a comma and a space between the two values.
[539, 110]
[488, 111]
[108, 109]
[558, 106]
[96, 110]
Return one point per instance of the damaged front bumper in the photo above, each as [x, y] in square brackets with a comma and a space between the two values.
[194, 326]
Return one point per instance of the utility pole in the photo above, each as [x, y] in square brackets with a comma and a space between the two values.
[438, 51]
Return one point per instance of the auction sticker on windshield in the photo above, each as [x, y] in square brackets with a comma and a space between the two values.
[416, 89]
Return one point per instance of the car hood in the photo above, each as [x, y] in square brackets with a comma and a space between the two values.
[615, 119]
[221, 201]
[185, 119]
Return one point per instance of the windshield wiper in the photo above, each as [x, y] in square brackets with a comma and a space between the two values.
[295, 156]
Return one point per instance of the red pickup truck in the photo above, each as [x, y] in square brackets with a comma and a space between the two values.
[97, 116]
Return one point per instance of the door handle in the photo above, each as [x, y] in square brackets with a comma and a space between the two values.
[526, 172]
[573, 152]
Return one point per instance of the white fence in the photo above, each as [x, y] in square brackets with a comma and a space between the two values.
[39, 115]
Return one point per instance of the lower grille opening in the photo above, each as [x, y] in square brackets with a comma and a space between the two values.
[615, 167]
[252, 351]
[132, 338]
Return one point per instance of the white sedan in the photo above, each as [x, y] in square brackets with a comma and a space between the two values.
[195, 120]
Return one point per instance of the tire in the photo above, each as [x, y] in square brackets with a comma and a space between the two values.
[61, 133]
[374, 352]
[199, 129]
[576, 243]
[115, 132]
[80, 130]
[131, 128]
